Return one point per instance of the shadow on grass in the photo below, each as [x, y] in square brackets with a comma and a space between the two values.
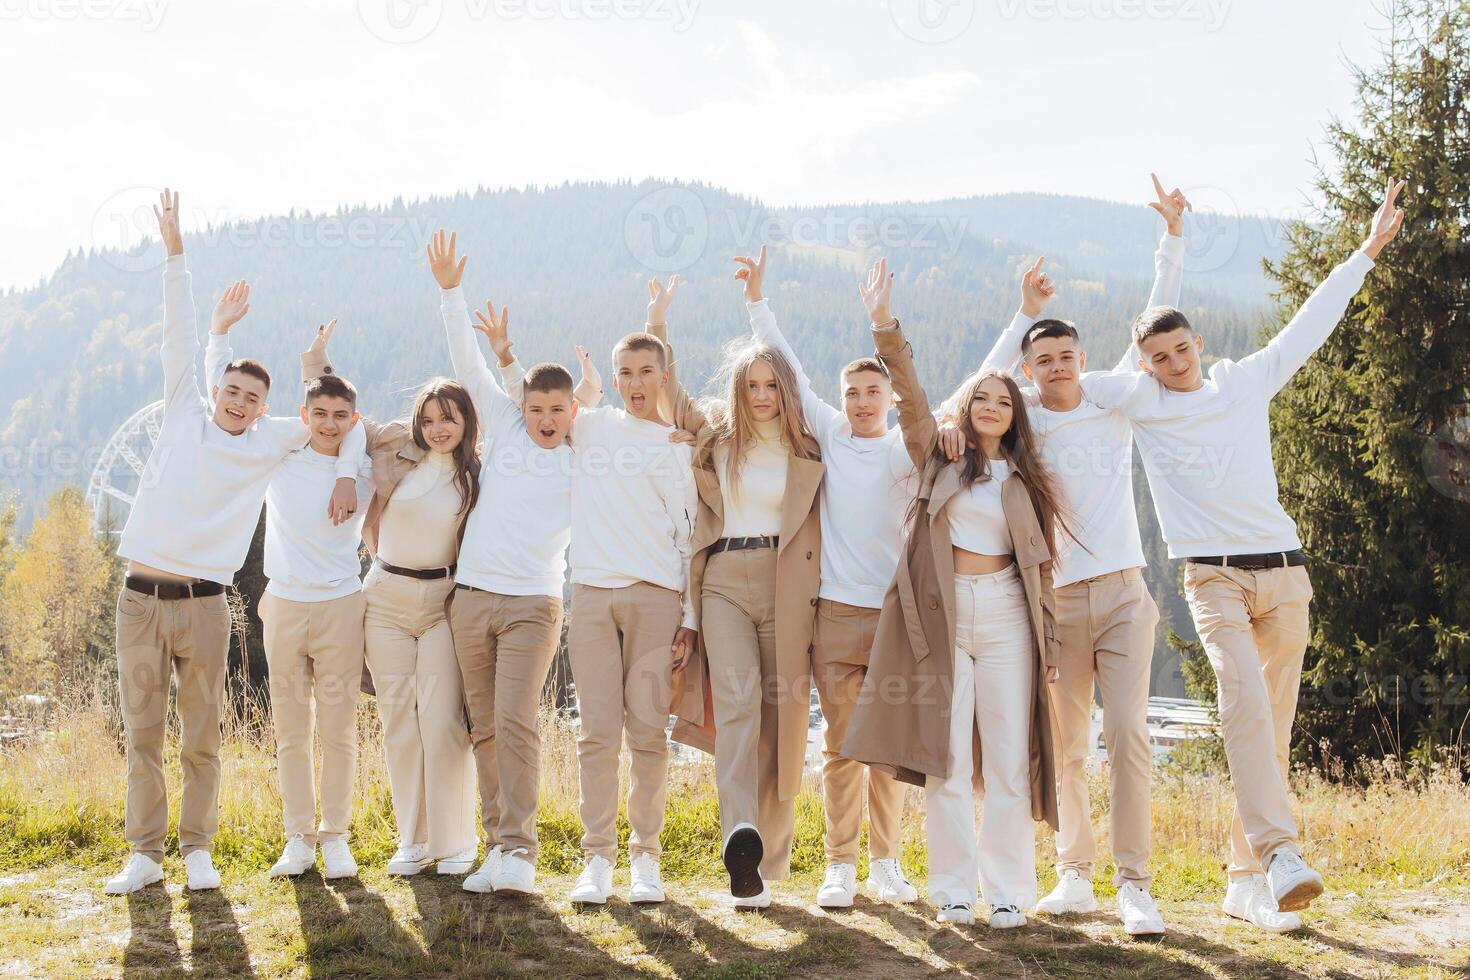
[1386, 957]
[350, 931]
[153, 947]
[217, 948]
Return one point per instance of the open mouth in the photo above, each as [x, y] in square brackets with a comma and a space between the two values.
[636, 402]
[235, 414]
[547, 431]
[440, 440]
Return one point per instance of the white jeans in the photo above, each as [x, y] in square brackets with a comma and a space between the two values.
[994, 662]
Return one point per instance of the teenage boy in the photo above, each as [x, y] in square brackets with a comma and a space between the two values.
[1206, 447]
[198, 502]
[1105, 615]
[869, 483]
[506, 609]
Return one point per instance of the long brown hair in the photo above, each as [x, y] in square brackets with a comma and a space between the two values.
[1022, 452]
[731, 420]
[451, 398]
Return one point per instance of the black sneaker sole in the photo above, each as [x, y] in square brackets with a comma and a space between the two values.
[743, 853]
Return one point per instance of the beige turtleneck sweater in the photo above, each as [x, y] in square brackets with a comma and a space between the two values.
[754, 507]
[421, 522]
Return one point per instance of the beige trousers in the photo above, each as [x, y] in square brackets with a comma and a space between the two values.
[1106, 629]
[738, 620]
[840, 649]
[314, 651]
[1254, 628]
[505, 645]
[621, 646]
[421, 703]
[157, 639]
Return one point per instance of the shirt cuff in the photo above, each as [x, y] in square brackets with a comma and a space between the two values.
[1173, 246]
[451, 297]
[510, 373]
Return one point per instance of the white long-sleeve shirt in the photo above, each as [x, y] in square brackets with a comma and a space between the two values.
[1090, 449]
[202, 489]
[1207, 452]
[307, 559]
[633, 504]
[865, 494]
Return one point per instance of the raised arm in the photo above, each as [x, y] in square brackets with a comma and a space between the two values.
[1037, 289]
[1168, 261]
[180, 324]
[684, 410]
[920, 429]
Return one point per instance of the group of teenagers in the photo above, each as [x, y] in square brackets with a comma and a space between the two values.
[953, 587]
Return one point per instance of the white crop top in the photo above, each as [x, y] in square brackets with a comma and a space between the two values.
[977, 522]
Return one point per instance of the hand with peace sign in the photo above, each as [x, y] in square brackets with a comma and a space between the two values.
[877, 292]
[323, 334]
[496, 329]
[1386, 220]
[1037, 289]
[1171, 206]
[753, 272]
[448, 270]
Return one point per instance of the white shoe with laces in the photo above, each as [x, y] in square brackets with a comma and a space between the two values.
[202, 876]
[140, 872]
[887, 883]
[458, 864]
[297, 858]
[839, 888]
[594, 885]
[960, 915]
[337, 860]
[517, 873]
[483, 880]
[1138, 912]
[645, 888]
[1006, 917]
[1293, 884]
[754, 903]
[1073, 894]
[409, 860]
[1249, 900]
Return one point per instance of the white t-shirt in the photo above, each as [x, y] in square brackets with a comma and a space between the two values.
[977, 518]
[307, 559]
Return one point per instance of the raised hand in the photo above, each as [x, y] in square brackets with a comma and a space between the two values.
[1171, 206]
[877, 292]
[231, 308]
[446, 268]
[323, 334]
[753, 273]
[1386, 220]
[167, 213]
[590, 374]
[1037, 289]
[497, 330]
[659, 298]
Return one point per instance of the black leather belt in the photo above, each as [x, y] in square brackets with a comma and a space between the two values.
[420, 573]
[745, 544]
[172, 590]
[1255, 563]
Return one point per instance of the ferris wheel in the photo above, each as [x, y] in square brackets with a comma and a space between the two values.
[114, 483]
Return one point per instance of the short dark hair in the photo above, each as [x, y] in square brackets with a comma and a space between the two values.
[548, 377]
[1156, 320]
[643, 341]
[1044, 329]
[252, 367]
[865, 364]
[331, 386]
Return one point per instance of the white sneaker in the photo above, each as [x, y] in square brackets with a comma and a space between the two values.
[458, 864]
[839, 887]
[1006, 917]
[1293, 883]
[484, 880]
[645, 888]
[960, 915]
[337, 860]
[1248, 899]
[202, 876]
[1137, 910]
[1073, 893]
[516, 874]
[409, 859]
[742, 855]
[887, 883]
[297, 858]
[751, 903]
[140, 872]
[594, 884]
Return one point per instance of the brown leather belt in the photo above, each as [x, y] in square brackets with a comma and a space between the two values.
[172, 590]
[745, 544]
[420, 573]
[1255, 563]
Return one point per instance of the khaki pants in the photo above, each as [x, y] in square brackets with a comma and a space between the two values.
[738, 622]
[621, 647]
[840, 648]
[190, 639]
[1106, 629]
[314, 651]
[505, 645]
[1254, 628]
[421, 703]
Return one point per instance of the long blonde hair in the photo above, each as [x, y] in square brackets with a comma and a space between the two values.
[730, 417]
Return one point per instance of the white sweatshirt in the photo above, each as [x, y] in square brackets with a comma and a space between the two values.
[1207, 452]
[633, 504]
[1090, 449]
[202, 489]
[516, 538]
[306, 558]
[865, 493]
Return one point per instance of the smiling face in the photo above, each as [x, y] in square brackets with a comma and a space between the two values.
[762, 394]
[1056, 365]
[441, 425]
[239, 401]
[1173, 357]
[866, 397]
[991, 409]
[640, 378]
[328, 417]
[549, 416]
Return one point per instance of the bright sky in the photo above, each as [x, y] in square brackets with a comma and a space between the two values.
[259, 106]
